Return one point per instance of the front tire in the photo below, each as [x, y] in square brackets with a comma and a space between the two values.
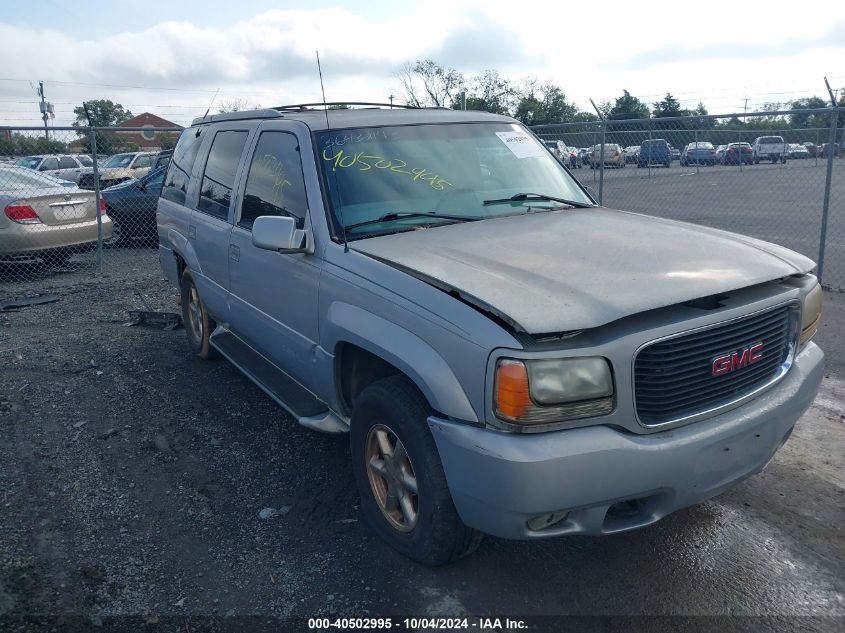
[198, 324]
[404, 494]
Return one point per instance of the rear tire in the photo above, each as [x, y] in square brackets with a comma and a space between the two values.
[198, 324]
[406, 502]
[118, 237]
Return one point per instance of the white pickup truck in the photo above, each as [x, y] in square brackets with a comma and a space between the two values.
[770, 148]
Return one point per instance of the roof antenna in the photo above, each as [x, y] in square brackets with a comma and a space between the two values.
[336, 185]
[210, 104]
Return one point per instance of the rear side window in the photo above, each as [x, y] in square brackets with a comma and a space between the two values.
[143, 161]
[220, 169]
[66, 162]
[85, 161]
[179, 169]
[49, 163]
[275, 185]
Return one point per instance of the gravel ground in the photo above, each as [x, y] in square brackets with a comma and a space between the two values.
[133, 478]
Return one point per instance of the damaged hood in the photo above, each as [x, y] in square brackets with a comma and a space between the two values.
[575, 269]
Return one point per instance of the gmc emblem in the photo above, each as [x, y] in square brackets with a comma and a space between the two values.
[727, 363]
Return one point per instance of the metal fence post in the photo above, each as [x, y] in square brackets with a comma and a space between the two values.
[739, 148]
[601, 163]
[697, 161]
[93, 136]
[834, 117]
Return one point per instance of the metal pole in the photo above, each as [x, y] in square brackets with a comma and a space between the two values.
[44, 114]
[834, 116]
[601, 163]
[739, 148]
[697, 161]
[93, 136]
[816, 150]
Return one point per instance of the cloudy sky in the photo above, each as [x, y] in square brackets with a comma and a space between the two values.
[170, 57]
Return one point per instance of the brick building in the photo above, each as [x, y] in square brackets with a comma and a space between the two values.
[148, 141]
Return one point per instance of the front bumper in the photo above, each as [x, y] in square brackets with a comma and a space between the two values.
[501, 480]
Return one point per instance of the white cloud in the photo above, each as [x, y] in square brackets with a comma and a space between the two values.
[719, 53]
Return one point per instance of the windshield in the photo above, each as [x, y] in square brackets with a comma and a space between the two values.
[448, 169]
[31, 162]
[119, 160]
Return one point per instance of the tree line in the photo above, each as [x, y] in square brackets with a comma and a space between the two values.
[533, 102]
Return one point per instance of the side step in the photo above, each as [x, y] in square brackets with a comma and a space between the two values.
[297, 400]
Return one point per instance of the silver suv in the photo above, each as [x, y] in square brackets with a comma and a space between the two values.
[507, 356]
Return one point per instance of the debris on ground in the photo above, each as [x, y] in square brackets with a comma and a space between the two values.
[25, 302]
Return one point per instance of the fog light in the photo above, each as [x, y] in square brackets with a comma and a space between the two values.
[545, 521]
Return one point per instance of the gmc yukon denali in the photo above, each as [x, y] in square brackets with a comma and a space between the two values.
[507, 356]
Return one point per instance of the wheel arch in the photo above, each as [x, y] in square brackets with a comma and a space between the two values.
[374, 347]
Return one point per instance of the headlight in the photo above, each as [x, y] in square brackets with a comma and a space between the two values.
[546, 391]
[811, 314]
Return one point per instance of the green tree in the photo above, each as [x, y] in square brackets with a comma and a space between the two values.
[668, 106]
[543, 103]
[489, 92]
[104, 113]
[808, 119]
[628, 107]
[427, 83]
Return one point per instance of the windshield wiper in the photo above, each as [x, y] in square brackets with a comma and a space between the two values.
[519, 197]
[398, 215]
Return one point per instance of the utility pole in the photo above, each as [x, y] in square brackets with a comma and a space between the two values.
[391, 101]
[745, 107]
[44, 113]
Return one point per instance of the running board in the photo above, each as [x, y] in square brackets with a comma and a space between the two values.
[298, 401]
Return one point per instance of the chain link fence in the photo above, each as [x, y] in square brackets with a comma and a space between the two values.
[756, 174]
[83, 199]
[79, 199]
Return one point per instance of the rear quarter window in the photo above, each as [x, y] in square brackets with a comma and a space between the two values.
[179, 170]
[220, 169]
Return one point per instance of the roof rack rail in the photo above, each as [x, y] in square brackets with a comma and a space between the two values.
[263, 113]
[305, 106]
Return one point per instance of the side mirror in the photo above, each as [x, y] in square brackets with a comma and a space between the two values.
[279, 233]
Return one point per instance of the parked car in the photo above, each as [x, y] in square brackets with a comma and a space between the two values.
[118, 168]
[556, 147]
[584, 153]
[497, 371]
[699, 152]
[44, 218]
[131, 205]
[632, 153]
[796, 150]
[654, 151]
[613, 156]
[812, 148]
[736, 152]
[771, 148]
[421, 309]
[827, 148]
[162, 159]
[675, 153]
[63, 166]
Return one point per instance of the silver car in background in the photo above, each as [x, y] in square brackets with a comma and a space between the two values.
[45, 219]
[62, 166]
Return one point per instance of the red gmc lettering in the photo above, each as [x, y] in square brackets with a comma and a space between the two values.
[737, 360]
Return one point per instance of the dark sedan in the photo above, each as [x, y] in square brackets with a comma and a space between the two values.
[132, 207]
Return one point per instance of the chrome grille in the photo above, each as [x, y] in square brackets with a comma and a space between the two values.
[673, 377]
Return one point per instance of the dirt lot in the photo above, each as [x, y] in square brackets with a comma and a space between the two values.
[132, 477]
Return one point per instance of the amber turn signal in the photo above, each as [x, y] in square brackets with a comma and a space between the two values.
[512, 397]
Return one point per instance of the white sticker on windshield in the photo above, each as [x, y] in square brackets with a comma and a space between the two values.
[521, 144]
